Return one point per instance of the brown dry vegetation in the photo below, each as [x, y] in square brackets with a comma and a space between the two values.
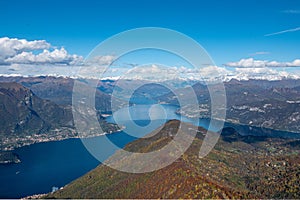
[246, 167]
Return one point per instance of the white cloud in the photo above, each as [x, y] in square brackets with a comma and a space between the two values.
[252, 63]
[21, 57]
[152, 72]
[156, 72]
[248, 62]
[263, 73]
[213, 70]
[14, 44]
[284, 31]
[256, 71]
[23, 52]
[11, 47]
[101, 60]
[291, 11]
[260, 53]
[57, 56]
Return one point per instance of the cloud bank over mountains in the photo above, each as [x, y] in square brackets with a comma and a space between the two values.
[251, 63]
[20, 57]
[37, 52]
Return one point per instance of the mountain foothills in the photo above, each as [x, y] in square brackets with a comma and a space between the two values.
[238, 167]
[58, 89]
[28, 118]
[36, 109]
[243, 164]
[257, 103]
[23, 113]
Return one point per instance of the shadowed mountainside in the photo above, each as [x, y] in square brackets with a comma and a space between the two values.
[22, 112]
[27, 118]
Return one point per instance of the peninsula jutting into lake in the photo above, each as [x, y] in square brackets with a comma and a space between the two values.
[141, 99]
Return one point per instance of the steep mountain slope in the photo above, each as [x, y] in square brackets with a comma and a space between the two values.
[27, 119]
[59, 89]
[22, 112]
[238, 167]
[266, 104]
[252, 102]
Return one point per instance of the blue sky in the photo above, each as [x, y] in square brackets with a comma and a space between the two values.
[229, 30]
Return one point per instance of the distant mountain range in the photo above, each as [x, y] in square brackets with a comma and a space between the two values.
[244, 167]
[260, 103]
[38, 109]
[57, 89]
[38, 105]
[22, 112]
[43, 115]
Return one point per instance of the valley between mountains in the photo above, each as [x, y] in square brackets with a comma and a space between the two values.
[257, 155]
[38, 109]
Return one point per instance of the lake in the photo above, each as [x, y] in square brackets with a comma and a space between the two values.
[45, 165]
[55, 164]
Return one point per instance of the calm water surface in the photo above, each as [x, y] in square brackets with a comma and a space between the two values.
[45, 165]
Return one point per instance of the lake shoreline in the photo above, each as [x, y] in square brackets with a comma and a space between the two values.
[60, 162]
[12, 151]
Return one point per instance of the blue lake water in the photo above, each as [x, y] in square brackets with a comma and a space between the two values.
[49, 164]
[45, 165]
